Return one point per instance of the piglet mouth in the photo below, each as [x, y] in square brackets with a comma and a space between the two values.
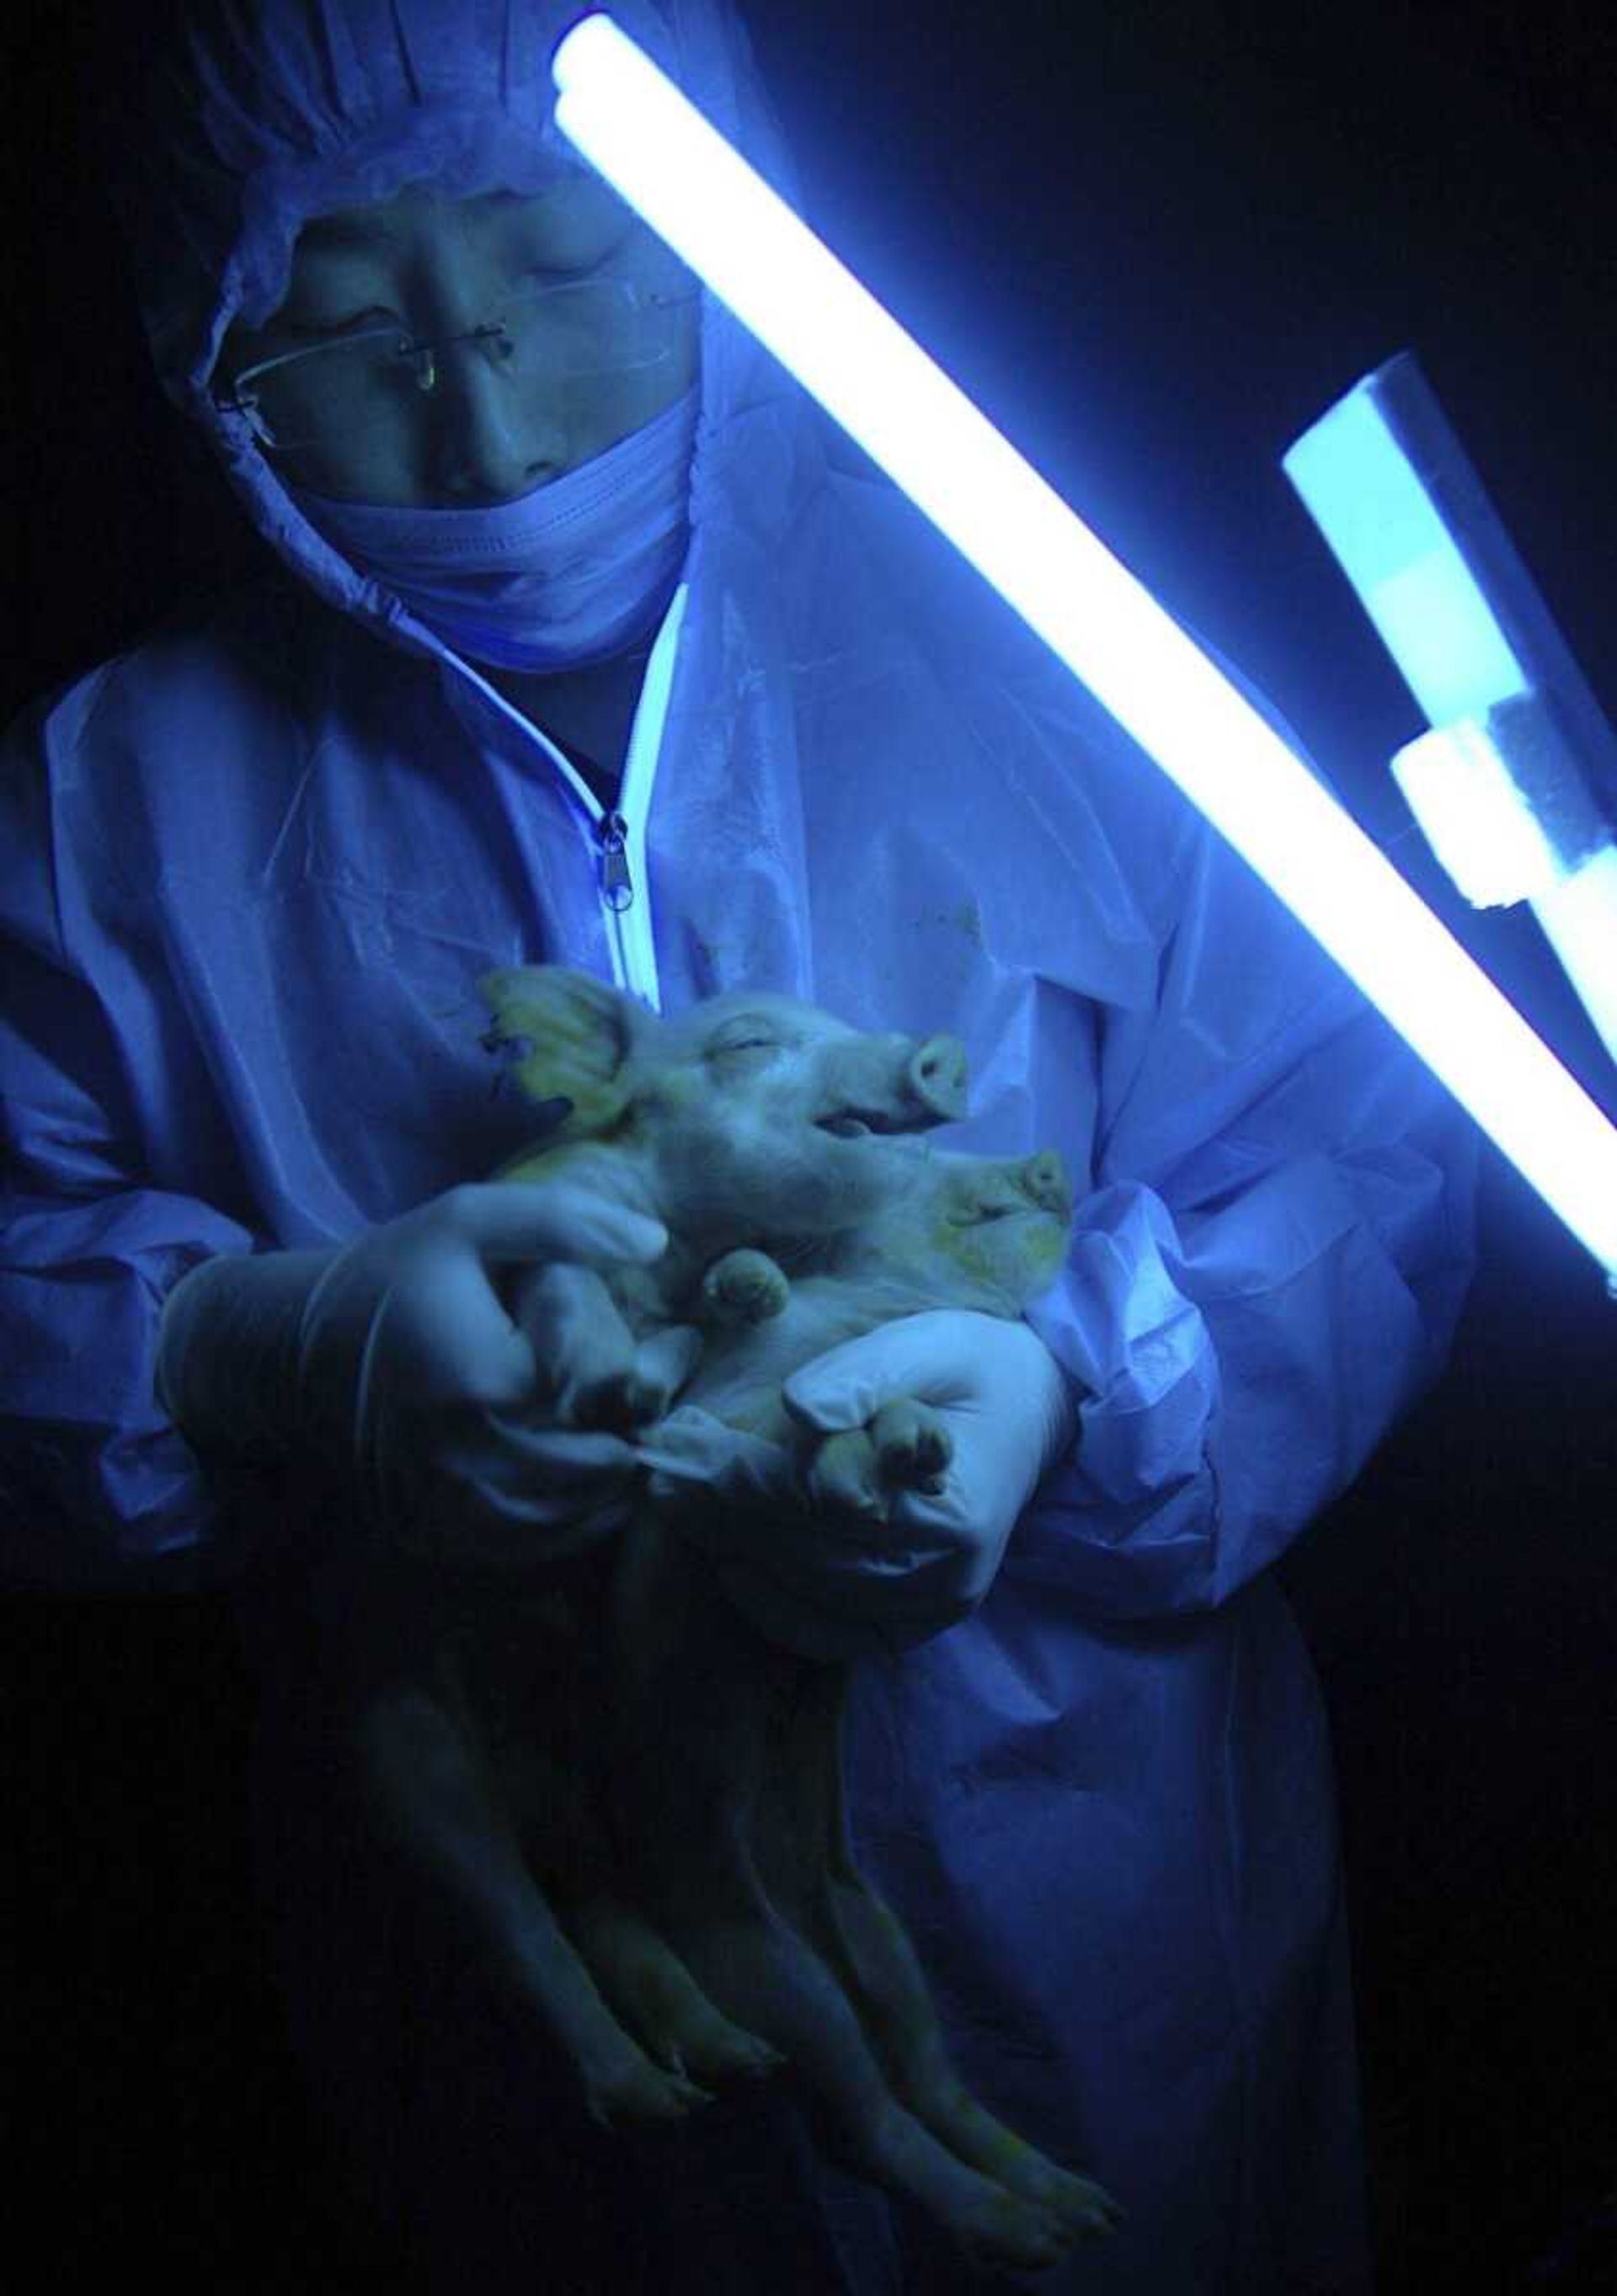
[859, 1123]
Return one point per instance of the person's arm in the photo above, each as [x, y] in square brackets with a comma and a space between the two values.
[1269, 1275]
[149, 1334]
[98, 1489]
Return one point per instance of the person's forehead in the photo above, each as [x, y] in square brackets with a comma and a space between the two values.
[379, 222]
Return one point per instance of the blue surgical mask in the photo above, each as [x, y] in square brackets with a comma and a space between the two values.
[562, 577]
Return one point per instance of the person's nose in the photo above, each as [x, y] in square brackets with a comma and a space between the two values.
[493, 436]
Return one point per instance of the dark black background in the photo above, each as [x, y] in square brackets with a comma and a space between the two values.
[1153, 241]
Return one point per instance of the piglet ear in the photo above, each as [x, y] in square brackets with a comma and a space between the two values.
[570, 1037]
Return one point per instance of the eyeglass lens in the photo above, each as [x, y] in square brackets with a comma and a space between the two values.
[582, 333]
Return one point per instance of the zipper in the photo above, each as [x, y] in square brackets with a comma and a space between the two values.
[628, 926]
[617, 891]
[617, 885]
[628, 917]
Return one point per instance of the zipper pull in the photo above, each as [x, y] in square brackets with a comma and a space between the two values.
[616, 888]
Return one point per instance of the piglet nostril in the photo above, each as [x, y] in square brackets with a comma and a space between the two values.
[937, 1076]
[1045, 1180]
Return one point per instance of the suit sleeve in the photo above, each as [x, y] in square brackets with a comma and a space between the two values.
[1268, 1274]
[98, 1491]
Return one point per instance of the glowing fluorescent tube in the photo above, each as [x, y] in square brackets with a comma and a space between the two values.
[637, 129]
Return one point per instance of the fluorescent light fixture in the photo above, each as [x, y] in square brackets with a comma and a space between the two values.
[1458, 787]
[1504, 785]
[1579, 918]
[1386, 480]
[640, 132]
[1412, 577]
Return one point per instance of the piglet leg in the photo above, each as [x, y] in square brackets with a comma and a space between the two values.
[655, 1996]
[424, 1783]
[861, 1935]
[533, 1670]
[703, 1716]
[592, 1373]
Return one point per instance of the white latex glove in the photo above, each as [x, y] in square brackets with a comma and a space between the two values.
[838, 1585]
[392, 1361]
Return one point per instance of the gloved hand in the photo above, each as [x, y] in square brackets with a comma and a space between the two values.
[392, 1361]
[839, 1583]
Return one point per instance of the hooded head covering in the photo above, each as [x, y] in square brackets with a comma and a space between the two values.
[256, 115]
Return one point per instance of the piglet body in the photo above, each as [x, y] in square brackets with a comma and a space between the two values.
[784, 1151]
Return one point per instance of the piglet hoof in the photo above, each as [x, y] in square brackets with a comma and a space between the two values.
[619, 1405]
[639, 1394]
[912, 1445]
[744, 1288]
[710, 2046]
[1086, 2207]
[631, 2088]
[654, 1996]
[842, 1479]
[1018, 2235]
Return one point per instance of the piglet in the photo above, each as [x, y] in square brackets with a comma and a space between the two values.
[785, 1152]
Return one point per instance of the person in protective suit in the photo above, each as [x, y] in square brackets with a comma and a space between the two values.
[620, 658]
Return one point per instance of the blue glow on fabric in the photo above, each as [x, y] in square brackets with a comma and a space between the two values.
[632, 123]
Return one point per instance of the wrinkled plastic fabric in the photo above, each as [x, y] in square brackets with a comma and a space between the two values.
[249, 874]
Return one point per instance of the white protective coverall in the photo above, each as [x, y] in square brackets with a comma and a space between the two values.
[249, 871]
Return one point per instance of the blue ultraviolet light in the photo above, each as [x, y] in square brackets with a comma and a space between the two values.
[651, 144]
